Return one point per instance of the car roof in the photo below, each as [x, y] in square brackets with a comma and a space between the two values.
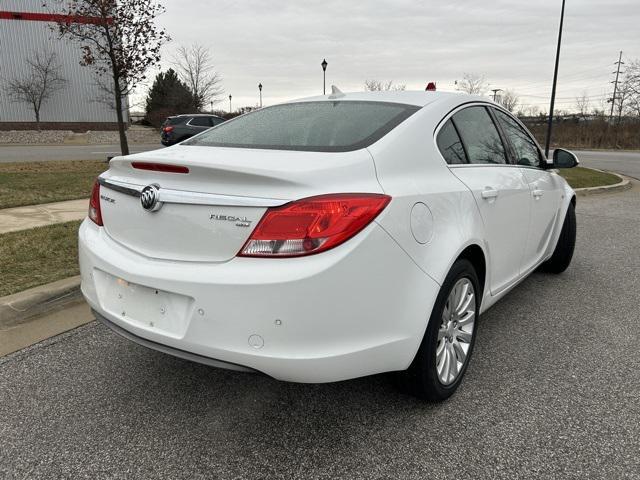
[419, 98]
[195, 115]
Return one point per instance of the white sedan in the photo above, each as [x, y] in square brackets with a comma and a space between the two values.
[328, 238]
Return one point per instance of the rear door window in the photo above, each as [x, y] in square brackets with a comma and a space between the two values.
[524, 147]
[338, 126]
[200, 122]
[450, 145]
[480, 136]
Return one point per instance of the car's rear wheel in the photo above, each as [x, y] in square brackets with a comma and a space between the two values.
[445, 351]
[563, 253]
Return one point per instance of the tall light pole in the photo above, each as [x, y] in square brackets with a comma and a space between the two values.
[260, 88]
[211, 106]
[229, 103]
[495, 93]
[553, 89]
[324, 76]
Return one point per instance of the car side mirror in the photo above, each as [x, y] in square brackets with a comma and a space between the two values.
[564, 159]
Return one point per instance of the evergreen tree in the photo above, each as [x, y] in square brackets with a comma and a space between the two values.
[168, 96]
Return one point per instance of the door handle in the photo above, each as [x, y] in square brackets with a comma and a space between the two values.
[538, 193]
[489, 193]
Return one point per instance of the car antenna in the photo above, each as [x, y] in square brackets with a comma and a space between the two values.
[336, 92]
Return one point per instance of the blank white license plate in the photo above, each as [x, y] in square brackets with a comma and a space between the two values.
[142, 306]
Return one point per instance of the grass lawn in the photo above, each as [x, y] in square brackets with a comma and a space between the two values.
[30, 183]
[580, 177]
[38, 256]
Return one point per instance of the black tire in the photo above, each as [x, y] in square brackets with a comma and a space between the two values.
[421, 378]
[563, 253]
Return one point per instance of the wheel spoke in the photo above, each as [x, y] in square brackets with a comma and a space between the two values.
[443, 365]
[465, 304]
[442, 333]
[459, 351]
[446, 313]
[463, 336]
[453, 361]
[462, 295]
[467, 319]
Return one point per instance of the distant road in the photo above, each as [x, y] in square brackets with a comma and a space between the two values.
[627, 163]
[32, 153]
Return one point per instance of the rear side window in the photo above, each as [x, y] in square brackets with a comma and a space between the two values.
[479, 135]
[450, 144]
[200, 122]
[338, 126]
[524, 147]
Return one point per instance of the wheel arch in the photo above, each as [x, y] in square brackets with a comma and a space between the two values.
[475, 255]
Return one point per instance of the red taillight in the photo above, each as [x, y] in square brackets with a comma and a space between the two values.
[167, 129]
[160, 167]
[95, 213]
[313, 225]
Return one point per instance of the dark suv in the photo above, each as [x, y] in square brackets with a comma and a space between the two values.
[180, 127]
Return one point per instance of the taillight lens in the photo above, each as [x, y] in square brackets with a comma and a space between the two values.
[313, 225]
[167, 129]
[95, 214]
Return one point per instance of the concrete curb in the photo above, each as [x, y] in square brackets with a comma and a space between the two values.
[22, 306]
[623, 184]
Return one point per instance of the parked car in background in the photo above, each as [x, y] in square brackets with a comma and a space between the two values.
[180, 127]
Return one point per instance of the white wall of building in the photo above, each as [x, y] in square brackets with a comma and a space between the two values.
[78, 101]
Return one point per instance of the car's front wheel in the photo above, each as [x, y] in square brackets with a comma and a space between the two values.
[443, 357]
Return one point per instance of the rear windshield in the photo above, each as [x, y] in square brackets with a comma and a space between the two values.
[174, 120]
[310, 126]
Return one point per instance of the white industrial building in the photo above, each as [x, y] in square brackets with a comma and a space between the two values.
[26, 27]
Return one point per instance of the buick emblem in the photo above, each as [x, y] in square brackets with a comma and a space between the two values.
[149, 198]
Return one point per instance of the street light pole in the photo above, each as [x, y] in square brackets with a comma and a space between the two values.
[229, 103]
[324, 76]
[260, 88]
[211, 106]
[553, 89]
[495, 93]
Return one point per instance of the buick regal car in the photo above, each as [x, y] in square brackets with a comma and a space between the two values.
[328, 238]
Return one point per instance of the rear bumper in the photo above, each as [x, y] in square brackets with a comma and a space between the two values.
[356, 310]
[168, 350]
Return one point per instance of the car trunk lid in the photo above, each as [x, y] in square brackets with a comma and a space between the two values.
[209, 213]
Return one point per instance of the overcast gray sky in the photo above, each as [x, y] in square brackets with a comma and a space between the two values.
[281, 43]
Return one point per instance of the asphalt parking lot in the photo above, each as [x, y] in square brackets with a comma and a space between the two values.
[553, 391]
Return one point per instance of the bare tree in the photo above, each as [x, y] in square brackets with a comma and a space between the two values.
[118, 39]
[378, 86]
[582, 104]
[195, 68]
[42, 80]
[472, 83]
[621, 102]
[509, 100]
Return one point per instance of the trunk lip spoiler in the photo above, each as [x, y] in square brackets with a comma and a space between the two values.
[167, 195]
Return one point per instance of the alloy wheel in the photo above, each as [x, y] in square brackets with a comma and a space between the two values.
[456, 331]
